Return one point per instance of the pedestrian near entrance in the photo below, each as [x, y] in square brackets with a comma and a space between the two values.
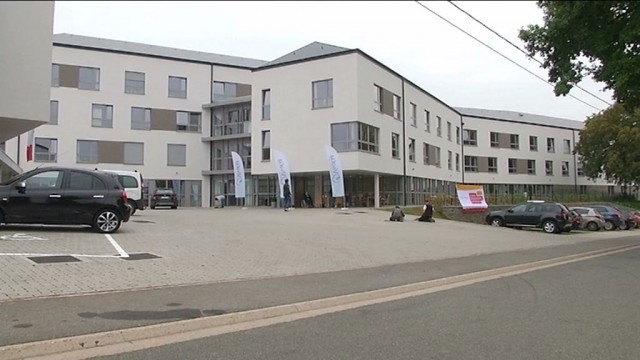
[286, 191]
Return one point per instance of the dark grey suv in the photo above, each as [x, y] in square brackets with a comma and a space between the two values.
[551, 217]
[64, 196]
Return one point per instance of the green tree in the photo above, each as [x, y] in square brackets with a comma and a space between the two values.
[610, 145]
[597, 38]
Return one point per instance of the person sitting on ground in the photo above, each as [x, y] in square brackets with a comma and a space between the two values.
[397, 214]
[427, 212]
[308, 201]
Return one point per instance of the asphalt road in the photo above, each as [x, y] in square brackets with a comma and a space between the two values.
[583, 310]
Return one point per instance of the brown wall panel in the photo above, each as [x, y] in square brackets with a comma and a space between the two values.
[483, 164]
[504, 140]
[69, 75]
[522, 166]
[162, 119]
[243, 90]
[111, 152]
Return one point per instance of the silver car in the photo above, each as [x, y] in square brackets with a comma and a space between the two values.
[591, 219]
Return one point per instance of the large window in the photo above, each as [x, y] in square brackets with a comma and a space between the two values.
[413, 114]
[492, 164]
[266, 145]
[470, 137]
[515, 141]
[425, 153]
[533, 143]
[450, 160]
[551, 145]
[46, 150]
[188, 121]
[548, 167]
[140, 118]
[322, 94]
[353, 136]
[580, 168]
[395, 145]
[458, 135]
[566, 146]
[134, 82]
[55, 75]
[449, 130]
[101, 115]
[177, 87]
[437, 155]
[377, 102]
[53, 112]
[88, 78]
[471, 163]
[427, 121]
[439, 128]
[224, 90]
[513, 166]
[396, 107]
[531, 167]
[87, 152]
[494, 139]
[412, 150]
[266, 104]
[565, 168]
[176, 155]
[457, 162]
[134, 153]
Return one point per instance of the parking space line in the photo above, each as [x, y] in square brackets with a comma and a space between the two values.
[118, 248]
[74, 255]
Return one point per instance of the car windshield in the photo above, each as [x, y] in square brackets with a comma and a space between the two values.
[164, 192]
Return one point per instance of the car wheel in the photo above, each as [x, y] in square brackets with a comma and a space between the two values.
[549, 226]
[623, 225]
[592, 226]
[496, 221]
[608, 225]
[174, 207]
[153, 206]
[132, 205]
[107, 221]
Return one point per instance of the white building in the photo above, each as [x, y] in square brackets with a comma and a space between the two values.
[25, 69]
[176, 116]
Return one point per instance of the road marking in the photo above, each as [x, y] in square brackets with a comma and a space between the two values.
[118, 248]
[20, 237]
[145, 337]
[74, 255]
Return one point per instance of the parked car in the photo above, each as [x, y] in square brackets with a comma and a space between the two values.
[133, 184]
[576, 222]
[613, 218]
[64, 196]
[627, 220]
[592, 220]
[551, 217]
[164, 197]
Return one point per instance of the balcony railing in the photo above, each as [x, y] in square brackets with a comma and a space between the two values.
[241, 128]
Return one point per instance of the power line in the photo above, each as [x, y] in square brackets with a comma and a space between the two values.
[522, 51]
[497, 52]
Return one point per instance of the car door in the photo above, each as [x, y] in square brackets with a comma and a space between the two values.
[84, 194]
[532, 214]
[514, 215]
[39, 201]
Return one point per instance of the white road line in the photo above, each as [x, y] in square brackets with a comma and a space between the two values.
[118, 248]
[74, 255]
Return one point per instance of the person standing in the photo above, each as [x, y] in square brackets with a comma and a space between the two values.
[286, 191]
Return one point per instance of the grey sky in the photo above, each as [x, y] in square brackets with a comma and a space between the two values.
[400, 34]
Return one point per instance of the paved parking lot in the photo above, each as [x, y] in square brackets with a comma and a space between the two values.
[165, 247]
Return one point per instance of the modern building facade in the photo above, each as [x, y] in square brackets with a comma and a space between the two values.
[176, 116]
[25, 66]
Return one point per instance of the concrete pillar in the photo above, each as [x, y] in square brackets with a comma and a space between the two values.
[376, 190]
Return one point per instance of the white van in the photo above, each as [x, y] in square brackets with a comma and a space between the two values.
[133, 184]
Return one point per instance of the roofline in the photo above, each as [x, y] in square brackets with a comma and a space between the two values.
[519, 122]
[370, 58]
[82, 47]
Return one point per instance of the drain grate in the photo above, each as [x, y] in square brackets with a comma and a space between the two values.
[141, 256]
[53, 259]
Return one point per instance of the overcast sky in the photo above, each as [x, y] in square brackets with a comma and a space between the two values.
[401, 34]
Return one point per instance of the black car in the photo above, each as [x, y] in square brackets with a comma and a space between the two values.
[551, 217]
[64, 196]
[164, 197]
